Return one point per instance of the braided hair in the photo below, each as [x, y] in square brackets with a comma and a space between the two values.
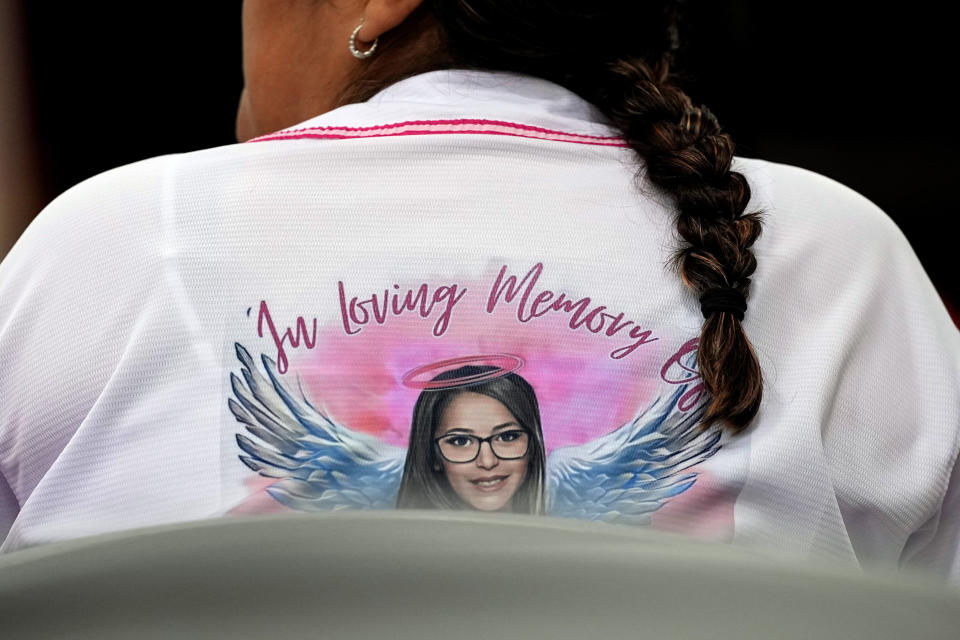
[687, 154]
[617, 54]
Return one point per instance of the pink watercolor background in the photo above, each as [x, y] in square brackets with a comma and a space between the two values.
[582, 391]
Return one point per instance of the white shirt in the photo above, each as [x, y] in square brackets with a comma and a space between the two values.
[122, 306]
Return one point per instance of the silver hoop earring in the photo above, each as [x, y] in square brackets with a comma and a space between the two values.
[362, 55]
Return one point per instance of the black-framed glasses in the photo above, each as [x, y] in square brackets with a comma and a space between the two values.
[462, 447]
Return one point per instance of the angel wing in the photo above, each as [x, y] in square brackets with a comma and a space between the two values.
[322, 465]
[627, 474]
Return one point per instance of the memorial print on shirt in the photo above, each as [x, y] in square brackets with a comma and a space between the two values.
[499, 397]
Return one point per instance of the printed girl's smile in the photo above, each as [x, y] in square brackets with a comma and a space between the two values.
[490, 484]
[486, 482]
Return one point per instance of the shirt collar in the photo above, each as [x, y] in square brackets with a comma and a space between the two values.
[460, 93]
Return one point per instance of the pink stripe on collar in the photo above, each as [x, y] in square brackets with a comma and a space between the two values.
[438, 127]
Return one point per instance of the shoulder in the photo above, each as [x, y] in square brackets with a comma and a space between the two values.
[95, 247]
[116, 215]
[817, 226]
[800, 197]
[134, 185]
[834, 268]
[109, 233]
[111, 209]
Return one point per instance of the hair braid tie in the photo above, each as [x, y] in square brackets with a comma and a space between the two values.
[725, 300]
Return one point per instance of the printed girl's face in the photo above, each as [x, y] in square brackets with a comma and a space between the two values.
[487, 483]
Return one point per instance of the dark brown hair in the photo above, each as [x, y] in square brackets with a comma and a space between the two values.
[617, 55]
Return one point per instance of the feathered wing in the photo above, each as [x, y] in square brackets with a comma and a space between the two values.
[321, 465]
[626, 475]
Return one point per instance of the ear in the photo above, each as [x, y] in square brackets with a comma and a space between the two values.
[381, 16]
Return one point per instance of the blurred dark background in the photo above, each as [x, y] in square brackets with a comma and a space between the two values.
[857, 95]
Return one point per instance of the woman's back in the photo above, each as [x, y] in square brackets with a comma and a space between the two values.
[461, 215]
